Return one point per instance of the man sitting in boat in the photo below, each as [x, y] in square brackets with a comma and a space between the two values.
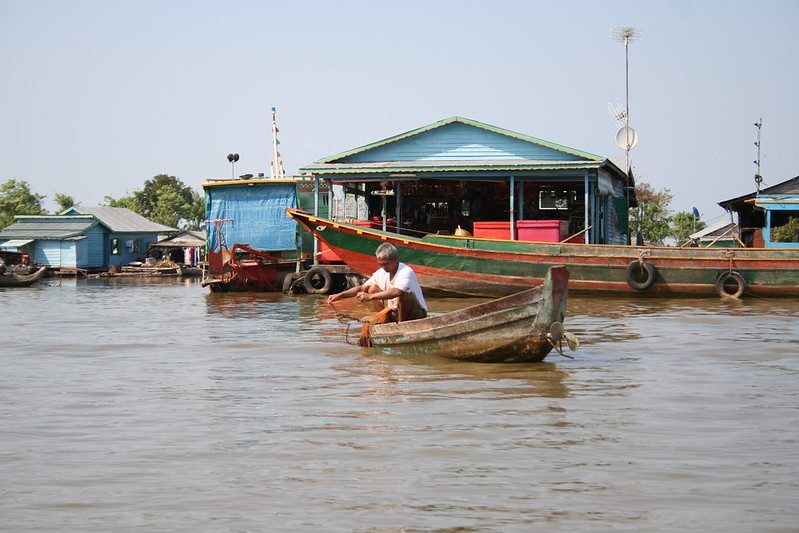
[394, 286]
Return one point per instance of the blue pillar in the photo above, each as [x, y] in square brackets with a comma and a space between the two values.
[512, 204]
[585, 234]
[767, 229]
[521, 199]
[398, 200]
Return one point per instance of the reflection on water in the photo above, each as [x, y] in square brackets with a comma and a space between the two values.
[155, 404]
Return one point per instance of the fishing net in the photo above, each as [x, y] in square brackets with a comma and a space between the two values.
[381, 317]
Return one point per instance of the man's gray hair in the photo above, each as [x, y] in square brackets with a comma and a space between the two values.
[386, 251]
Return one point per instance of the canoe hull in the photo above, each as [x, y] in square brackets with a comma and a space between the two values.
[17, 280]
[480, 267]
[512, 329]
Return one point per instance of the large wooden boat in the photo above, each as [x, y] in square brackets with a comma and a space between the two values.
[19, 280]
[491, 267]
[523, 327]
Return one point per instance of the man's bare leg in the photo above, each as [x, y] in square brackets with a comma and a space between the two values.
[378, 305]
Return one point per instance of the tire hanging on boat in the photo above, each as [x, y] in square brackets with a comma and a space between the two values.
[727, 277]
[318, 280]
[640, 267]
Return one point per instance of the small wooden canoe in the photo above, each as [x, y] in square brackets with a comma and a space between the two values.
[510, 329]
[18, 280]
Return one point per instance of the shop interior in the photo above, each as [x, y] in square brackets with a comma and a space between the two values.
[442, 206]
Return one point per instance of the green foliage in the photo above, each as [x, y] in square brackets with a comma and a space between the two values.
[16, 198]
[787, 232]
[652, 216]
[682, 226]
[197, 212]
[163, 199]
[63, 202]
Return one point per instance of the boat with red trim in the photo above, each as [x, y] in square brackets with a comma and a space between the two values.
[469, 266]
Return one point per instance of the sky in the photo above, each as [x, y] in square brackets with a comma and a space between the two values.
[98, 96]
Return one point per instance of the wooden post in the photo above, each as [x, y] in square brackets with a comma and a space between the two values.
[398, 200]
[330, 199]
[316, 214]
[512, 204]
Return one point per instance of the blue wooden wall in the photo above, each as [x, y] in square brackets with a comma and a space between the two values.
[54, 253]
[124, 257]
[96, 250]
[459, 142]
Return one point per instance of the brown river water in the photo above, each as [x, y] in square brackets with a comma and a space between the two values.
[143, 405]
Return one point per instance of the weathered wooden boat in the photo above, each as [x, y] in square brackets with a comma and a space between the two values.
[494, 267]
[17, 280]
[523, 327]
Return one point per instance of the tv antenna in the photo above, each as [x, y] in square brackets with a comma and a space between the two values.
[758, 177]
[627, 136]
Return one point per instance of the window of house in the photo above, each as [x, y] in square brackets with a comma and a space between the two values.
[114, 246]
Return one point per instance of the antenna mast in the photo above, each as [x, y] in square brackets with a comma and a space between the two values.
[276, 165]
[626, 35]
[758, 177]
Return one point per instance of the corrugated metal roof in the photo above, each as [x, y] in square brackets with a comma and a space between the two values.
[61, 224]
[186, 238]
[438, 166]
[123, 220]
[13, 244]
[46, 228]
[712, 230]
[38, 234]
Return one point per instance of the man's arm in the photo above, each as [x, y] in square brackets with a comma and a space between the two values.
[349, 293]
[387, 294]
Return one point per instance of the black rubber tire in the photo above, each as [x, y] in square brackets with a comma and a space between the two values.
[318, 280]
[634, 268]
[288, 281]
[727, 276]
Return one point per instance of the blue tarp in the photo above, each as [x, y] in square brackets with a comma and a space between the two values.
[258, 212]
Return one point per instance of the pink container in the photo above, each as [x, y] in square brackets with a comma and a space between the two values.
[542, 230]
[492, 230]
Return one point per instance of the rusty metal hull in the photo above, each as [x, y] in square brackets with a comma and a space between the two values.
[508, 330]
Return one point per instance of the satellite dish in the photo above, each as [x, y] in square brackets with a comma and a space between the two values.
[622, 138]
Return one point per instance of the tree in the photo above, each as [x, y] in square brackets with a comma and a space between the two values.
[196, 212]
[683, 224]
[652, 216]
[63, 202]
[163, 199]
[788, 232]
[16, 198]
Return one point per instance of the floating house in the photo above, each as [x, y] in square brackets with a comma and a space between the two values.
[759, 213]
[493, 182]
[87, 238]
[185, 247]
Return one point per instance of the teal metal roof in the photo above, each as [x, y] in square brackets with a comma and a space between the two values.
[43, 227]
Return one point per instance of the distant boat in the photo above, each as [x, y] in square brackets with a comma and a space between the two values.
[523, 327]
[494, 267]
[19, 280]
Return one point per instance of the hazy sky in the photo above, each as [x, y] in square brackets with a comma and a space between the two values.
[96, 97]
